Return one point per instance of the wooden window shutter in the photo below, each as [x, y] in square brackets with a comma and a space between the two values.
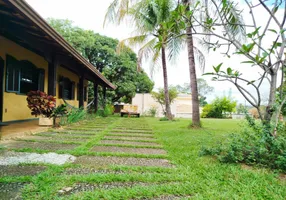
[41, 82]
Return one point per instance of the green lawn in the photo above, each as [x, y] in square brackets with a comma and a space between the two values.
[210, 179]
[193, 177]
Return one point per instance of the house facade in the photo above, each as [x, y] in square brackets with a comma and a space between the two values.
[33, 56]
[181, 107]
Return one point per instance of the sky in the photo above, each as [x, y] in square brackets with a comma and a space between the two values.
[89, 14]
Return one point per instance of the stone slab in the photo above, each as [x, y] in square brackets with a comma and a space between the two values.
[15, 158]
[43, 138]
[131, 134]
[20, 170]
[130, 138]
[39, 145]
[129, 161]
[148, 151]
[11, 191]
[130, 143]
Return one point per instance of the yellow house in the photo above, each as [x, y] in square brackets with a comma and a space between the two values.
[33, 56]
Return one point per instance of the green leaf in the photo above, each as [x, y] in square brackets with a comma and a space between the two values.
[209, 73]
[248, 62]
[229, 71]
[251, 82]
[272, 30]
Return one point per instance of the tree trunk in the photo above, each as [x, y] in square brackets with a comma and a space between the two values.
[193, 80]
[270, 107]
[166, 87]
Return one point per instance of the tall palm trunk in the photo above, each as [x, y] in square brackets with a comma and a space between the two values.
[193, 80]
[166, 89]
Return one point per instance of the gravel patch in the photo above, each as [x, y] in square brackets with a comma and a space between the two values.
[74, 132]
[130, 138]
[87, 171]
[39, 145]
[11, 191]
[53, 135]
[131, 131]
[132, 134]
[89, 187]
[15, 158]
[166, 197]
[20, 170]
[129, 161]
[129, 150]
[85, 129]
[62, 139]
[130, 143]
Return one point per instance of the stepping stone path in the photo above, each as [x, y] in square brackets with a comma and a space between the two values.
[99, 147]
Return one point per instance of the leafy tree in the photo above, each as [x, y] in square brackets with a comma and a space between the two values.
[160, 96]
[240, 109]
[121, 69]
[219, 108]
[152, 21]
[262, 54]
[203, 90]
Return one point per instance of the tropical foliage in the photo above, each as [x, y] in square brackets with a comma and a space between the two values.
[160, 96]
[219, 108]
[40, 103]
[100, 50]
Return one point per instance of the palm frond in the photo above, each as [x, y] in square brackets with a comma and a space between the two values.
[200, 58]
[145, 51]
[231, 14]
[110, 15]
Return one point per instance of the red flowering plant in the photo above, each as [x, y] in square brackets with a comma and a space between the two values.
[40, 103]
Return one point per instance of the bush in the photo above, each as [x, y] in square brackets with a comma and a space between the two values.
[219, 108]
[153, 112]
[74, 115]
[254, 146]
[107, 111]
[40, 103]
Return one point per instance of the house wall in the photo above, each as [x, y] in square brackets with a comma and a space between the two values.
[15, 105]
[181, 107]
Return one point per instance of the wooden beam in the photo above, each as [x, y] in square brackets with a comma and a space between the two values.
[95, 93]
[52, 77]
[81, 92]
[104, 96]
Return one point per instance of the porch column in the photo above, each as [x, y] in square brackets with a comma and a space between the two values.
[52, 77]
[104, 96]
[95, 91]
[81, 92]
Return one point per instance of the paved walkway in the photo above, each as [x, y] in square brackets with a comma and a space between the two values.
[115, 150]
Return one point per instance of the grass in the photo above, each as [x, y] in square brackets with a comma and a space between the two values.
[194, 177]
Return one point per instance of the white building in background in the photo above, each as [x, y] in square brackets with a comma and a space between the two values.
[181, 107]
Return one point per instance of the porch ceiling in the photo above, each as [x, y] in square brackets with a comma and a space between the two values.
[20, 23]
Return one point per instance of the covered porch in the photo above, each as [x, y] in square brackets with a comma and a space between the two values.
[19, 129]
[26, 37]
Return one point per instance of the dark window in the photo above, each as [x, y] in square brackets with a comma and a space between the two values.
[23, 76]
[66, 88]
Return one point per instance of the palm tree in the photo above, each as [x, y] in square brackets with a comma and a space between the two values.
[153, 31]
[229, 12]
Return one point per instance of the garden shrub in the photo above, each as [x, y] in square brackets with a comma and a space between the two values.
[219, 108]
[107, 111]
[253, 146]
[74, 115]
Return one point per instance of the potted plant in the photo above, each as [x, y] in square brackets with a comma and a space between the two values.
[41, 105]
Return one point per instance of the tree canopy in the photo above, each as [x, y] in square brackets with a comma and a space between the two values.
[120, 69]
